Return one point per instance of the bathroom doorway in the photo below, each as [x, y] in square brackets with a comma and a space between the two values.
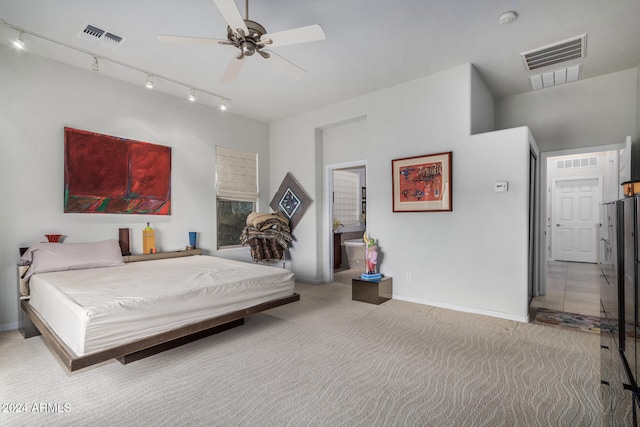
[346, 212]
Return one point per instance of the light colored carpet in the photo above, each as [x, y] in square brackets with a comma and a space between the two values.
[325, 361]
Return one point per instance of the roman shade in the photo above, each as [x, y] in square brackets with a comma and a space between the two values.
[236, 174]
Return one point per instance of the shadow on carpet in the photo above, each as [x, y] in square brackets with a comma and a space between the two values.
[577, 322]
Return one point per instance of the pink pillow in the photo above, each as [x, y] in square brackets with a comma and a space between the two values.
[48, 257]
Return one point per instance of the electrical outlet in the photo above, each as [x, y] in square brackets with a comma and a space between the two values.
[408, 276]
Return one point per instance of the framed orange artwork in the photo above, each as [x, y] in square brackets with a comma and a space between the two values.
[422, 183]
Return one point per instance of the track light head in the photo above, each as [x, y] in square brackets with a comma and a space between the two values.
[19, 42]
[96, 66]
[192, 95]
[223, 106]
[149, 83]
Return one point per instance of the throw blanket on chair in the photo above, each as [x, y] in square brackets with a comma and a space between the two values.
[268, 235]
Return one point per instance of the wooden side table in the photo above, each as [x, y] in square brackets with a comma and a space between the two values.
[373, 292]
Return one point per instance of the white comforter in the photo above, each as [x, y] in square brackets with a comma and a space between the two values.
[95, 309]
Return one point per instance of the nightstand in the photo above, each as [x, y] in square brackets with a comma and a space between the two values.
[26, 327]
[372, 291]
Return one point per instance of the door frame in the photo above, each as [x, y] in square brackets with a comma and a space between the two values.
[600, 196]
[328, 210]
[542, 247]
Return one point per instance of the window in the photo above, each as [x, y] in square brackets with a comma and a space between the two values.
[232, 218]
[346, 197]
[236, 192]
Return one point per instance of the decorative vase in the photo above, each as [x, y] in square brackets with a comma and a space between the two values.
[123, 239]
[148, 240]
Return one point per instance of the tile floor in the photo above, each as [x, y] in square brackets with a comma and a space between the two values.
[572, 287]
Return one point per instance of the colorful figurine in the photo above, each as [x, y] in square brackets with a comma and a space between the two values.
[371, 254]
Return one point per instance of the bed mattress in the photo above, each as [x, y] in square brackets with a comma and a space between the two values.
[95, 309]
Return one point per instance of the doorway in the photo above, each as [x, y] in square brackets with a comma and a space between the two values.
[345, 209]
[609, 164]
[577, 183]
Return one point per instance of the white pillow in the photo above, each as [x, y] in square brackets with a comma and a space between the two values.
[48, 257]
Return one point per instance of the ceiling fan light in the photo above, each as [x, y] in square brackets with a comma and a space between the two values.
[247, 48]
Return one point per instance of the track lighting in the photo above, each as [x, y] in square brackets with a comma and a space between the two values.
[223, 106]
[19, 42]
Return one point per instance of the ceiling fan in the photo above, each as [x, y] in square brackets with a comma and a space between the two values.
[251, 37]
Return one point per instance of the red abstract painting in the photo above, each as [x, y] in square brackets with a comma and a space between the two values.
[107, 174]
[421, 181]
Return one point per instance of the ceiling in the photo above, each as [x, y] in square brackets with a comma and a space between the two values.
[370, 44]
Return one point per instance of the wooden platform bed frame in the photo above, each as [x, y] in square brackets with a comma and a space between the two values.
[33, 325]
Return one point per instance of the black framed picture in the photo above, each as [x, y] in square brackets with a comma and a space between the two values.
[291, 199]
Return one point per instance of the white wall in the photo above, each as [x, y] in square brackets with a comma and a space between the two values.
[482, 105]
[346, 142]
[40, 97]
[587, 113]
[472, 259]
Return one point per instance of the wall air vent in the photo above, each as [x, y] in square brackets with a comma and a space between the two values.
[99, 36]
[556, 53]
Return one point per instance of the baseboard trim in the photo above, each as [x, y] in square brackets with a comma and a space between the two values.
[507, 316]
[9, 327]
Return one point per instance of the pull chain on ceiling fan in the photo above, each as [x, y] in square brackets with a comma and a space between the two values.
[251, 37]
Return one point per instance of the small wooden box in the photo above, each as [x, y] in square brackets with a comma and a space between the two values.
[373, 292]
[631, 188]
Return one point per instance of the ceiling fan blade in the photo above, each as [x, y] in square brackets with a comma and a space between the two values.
[186, 39]
[306, 34]
[231, 14]
[232, 71]
[284, 66]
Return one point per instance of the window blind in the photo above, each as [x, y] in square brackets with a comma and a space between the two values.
[236, 174]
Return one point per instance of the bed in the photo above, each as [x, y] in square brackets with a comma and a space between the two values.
[91, 304]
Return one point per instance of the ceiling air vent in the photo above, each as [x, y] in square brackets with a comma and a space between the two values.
[556, 53]
[100, 36]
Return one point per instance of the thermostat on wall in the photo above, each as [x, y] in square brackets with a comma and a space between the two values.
[501, 186]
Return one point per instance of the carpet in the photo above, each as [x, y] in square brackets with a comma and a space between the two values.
[323, 361]
[578, 322]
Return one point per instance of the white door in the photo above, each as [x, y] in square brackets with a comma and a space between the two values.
[576, 220]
